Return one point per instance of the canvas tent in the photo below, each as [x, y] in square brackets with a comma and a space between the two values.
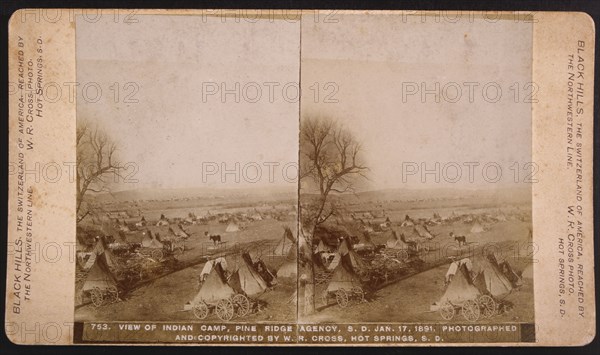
[246, 279]
[368, 215]
[452, 217]
[343, 278]
[477, 228]
[331, 261]
[101, 248]
[210, 265]
[215, 287]
[422, 232]
[394, 242]
[232, 228]
[501, 217]
[177, 231]
[331, 234]
[285, 245]
[408, 222]
[460, 288]
[326, 258]
[150, 240]
[510, 274]
[491, 279]
[416, 233]
[456, 265]
[99, 275]
[349, 257]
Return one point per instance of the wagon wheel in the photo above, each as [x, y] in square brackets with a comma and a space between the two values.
[113, 292]
[241, 305]
[359, 293]
[157, 254]
[97, 297]
[224, 310]
[341, 297]
[447, 310]
[471, 311]
[200, 310]
[402, 255]
[487, 305]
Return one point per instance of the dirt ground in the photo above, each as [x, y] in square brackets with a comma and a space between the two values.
[409, 300]
[164, 298]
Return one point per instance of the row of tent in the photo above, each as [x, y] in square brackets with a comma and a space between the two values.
[101, 263]
[477, 221]
[494, 278]
[246, 279]
[395, 241]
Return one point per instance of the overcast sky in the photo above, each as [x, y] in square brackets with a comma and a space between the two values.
[374, 60]
[370, 63]
[172, 131]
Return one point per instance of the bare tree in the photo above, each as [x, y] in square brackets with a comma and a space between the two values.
[95, 162]
[329, 163]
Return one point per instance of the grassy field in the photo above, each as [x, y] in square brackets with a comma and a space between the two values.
[164, 297]
[408, 300]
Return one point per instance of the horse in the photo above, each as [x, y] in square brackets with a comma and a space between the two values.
[461, 239]
[216, 238]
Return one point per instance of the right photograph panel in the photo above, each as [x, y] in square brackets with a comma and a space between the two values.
[415, 171]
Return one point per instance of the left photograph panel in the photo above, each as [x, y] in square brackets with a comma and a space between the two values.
[187, 145]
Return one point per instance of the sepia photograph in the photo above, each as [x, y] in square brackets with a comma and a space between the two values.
[186, 194]
[300, 177]
[415, 175]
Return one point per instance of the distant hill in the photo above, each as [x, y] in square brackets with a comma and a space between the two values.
[512, 194]
[507, 194]
[275, 193]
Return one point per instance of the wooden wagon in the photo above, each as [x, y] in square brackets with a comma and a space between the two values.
[248, 283]
[402, 248]
[218, 297]
[494, 286]
[344, 287]
[157, 249]
[100, 286]
[462, 296]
